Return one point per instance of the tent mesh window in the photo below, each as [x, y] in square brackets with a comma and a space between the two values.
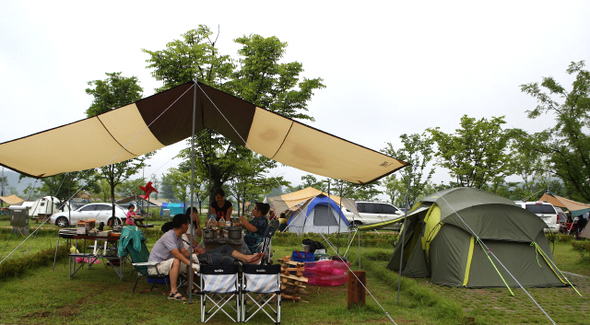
[324, 216]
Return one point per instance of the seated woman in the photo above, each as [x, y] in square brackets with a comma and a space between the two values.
[256, 227]
[193, 214]
[221, 208]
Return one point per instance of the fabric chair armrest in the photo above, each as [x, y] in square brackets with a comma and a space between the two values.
[145, 264]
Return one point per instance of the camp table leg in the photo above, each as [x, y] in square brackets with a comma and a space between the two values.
[94, 248]
[55, 256]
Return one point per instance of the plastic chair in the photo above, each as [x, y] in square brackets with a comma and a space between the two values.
[139, 260]
[261, 285]
[219, 286]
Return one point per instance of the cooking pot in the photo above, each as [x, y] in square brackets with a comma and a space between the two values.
[234, 232]
[208, 234]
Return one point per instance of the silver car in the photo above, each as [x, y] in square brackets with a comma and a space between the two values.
[102, 212]
[372, 212]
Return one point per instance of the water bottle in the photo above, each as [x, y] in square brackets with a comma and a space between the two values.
[211, 222]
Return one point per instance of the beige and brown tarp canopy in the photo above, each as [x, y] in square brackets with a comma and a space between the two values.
[166, 118]
[576, 208]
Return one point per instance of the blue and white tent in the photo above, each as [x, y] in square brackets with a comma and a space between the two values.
[320, 215]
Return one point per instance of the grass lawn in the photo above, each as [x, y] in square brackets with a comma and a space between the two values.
[98, 296]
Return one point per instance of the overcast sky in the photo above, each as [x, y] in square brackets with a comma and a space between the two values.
[390, 67]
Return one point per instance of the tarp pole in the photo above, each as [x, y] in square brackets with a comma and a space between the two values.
[402, 235]
[190, 216]
[340, 206]
[359, 251]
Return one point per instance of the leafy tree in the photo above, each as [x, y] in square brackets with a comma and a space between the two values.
[415, 179]
[250, 185]
[11, 190]
[63, 186]
[528, 161]
[104, 192]
[113, 92]
[477, 153]
[156, 183]
[256, 76]
[309, 181]
[180, 181]
[3, 184]
[131, 187]
[358, 192]
[568, 148]
[166, 190]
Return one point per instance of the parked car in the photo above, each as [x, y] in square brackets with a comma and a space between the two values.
[102, 212]
[372, 212]
[545, 210]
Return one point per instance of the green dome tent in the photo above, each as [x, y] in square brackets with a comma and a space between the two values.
[441, 241]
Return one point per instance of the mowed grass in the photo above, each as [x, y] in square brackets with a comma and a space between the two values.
[98, 296]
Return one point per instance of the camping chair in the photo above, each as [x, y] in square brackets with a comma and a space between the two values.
[265, 245]
[219, 286]
[261, 285]
[139, 260]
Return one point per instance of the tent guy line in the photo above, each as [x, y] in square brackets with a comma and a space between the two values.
[357, 278]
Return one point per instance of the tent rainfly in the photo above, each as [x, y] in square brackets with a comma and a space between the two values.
[167, 117]
[319, 215]
[444, 237]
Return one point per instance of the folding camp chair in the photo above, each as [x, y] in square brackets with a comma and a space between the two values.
[139, 260]
[219, 286]
[265, 245]
[261, 285]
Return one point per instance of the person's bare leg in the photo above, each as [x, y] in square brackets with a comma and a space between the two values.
[243, 257]
[174, 271]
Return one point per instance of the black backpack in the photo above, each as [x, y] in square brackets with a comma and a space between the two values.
[313, 245]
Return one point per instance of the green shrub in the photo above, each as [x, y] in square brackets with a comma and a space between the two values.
[582, 247]
[18, 266]
[565, 238]
[368, 239]
[42, 232]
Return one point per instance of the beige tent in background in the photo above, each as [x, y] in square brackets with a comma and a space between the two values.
[576, 208]
[12, 199]
[293, 200]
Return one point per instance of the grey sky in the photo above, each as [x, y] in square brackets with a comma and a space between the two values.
[390, 67]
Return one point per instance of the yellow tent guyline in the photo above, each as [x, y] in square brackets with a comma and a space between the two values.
[494, 265]
[350, 242]
[554, 267]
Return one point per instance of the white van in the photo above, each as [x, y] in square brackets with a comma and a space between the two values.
[372, 212]
[545, 211]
